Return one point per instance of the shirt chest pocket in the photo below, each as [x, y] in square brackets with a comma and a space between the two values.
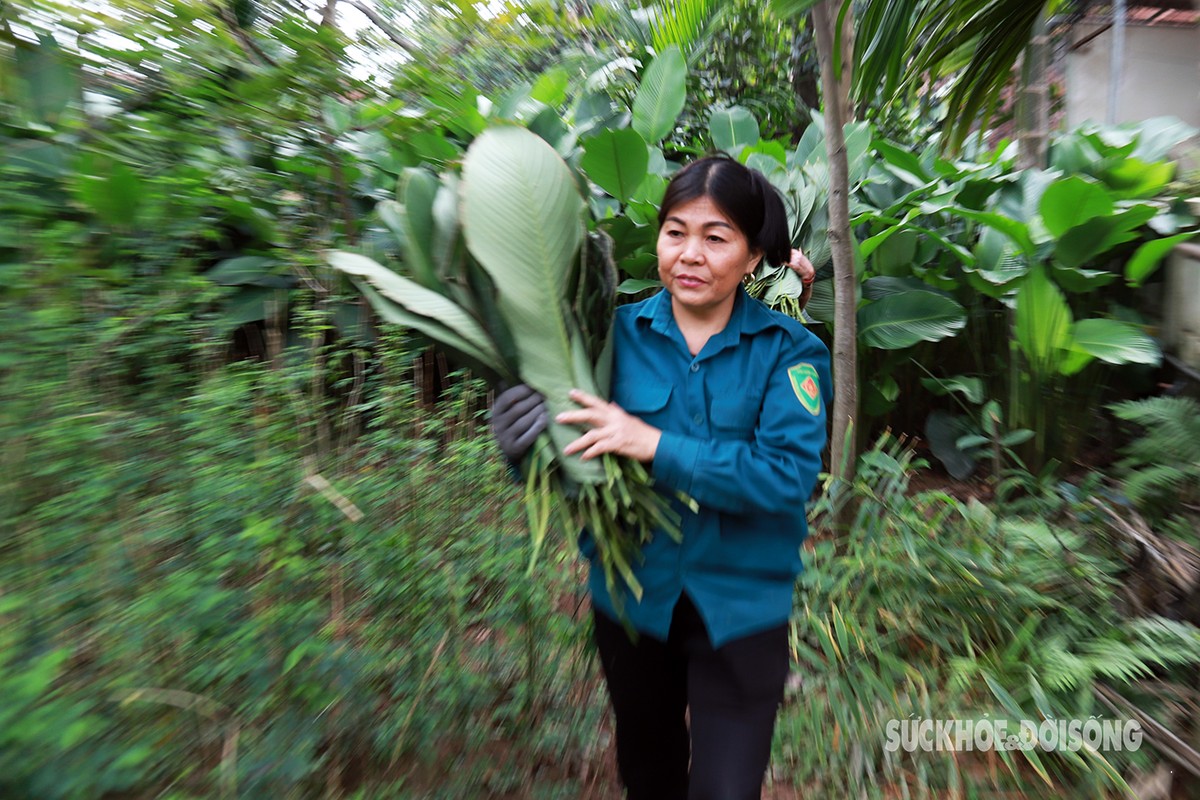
[734, 416]
[646, 400]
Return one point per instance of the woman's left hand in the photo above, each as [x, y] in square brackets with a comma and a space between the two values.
[803, 268]
[613, 430]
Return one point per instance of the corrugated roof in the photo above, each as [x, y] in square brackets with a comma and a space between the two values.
[1173, 13]
[1177, 5]
[1147, 15]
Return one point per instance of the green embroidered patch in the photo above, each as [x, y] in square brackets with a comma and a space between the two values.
[804, 384]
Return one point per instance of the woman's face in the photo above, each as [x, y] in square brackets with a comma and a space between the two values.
[702, 256]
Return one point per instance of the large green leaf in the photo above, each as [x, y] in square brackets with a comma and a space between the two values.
[811, 146]
[416, 192]
[1158, 136]
[1072, 153]
[1100, 234]
[50, 81]
[449, 323]
[1072, 201]
[1078, 281]
[661, 95]
[463, 351]
[732, 128]
[551, 87]
[894, 256]
[857, 138]
[901, 320]
[447, 237]
[637, 285]
[111, 189]
[522, 216]
[1013, 229]
[336, 115]
[249, 304]
[820, 304]
[249, 271]
[44, 159]
[1115, 342]
[1145, 260]
[616, 161]
[1136, 178]
[1043, 322]
[903, 162]
[968, 386]
[942, 431]
[998, 264]
[880, 287]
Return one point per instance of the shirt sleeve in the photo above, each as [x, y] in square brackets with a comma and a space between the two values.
[776, 470]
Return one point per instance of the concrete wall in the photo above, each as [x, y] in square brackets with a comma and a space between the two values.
[1160, 76]
[1181, 320]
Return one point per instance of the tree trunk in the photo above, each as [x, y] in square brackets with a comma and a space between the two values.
[1033, 102]
[838, 111]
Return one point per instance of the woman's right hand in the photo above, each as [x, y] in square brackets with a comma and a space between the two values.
[611, 429]
[518, 416]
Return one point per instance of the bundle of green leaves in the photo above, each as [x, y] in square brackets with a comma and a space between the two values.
[528, 299]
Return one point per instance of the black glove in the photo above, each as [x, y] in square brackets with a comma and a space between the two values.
[518, 416]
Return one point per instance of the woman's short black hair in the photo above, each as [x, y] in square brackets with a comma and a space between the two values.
[742, 194]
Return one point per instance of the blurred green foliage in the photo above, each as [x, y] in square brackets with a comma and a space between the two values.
[243, 554]
[195, 412]
[187, 605]
[934, 608]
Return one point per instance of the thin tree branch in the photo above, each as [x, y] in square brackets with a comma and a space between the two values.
[248, 44]
[405, 43]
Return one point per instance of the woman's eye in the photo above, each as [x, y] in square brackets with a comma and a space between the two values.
[674, 234]
[716, 239]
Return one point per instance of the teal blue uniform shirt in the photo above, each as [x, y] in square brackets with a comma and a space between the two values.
[743, 427]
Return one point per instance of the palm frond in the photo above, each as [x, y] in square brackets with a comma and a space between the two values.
[687, 24]
[881, 46]
[995, 31]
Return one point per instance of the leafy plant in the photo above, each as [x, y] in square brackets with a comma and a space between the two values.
[1025, 256]
[960, 442]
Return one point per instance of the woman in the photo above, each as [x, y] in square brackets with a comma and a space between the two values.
[724, 400]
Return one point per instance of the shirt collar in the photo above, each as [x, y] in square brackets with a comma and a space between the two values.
[748, 317]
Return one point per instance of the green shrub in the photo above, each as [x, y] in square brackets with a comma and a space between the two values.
[929, 608]
[216, 587]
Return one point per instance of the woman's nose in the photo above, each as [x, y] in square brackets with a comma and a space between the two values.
[692, 251]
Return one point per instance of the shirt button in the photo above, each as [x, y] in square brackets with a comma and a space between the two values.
[698, 419]
[695, 367]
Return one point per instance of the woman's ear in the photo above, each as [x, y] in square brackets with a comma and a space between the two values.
[756, 257]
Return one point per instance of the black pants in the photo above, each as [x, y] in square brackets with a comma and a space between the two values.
[731, 695]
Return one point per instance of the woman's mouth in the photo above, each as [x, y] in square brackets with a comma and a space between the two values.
[688, 281]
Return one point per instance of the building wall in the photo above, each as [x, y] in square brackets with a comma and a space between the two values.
[1160, 76]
